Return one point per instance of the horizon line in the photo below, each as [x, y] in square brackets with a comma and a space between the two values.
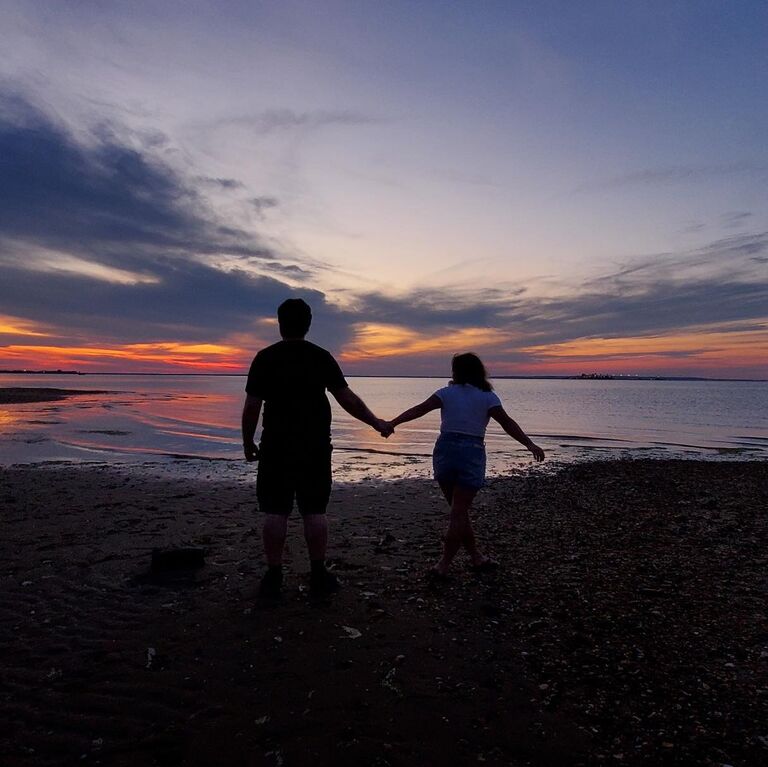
[563, 377]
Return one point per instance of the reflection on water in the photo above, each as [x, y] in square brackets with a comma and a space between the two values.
[167, 417]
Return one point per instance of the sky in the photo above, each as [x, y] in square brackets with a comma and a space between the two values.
[560, 187]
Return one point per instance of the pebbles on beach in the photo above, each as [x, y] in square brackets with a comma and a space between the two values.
[626, 626]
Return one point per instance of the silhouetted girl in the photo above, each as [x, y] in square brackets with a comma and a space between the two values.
[459, 455]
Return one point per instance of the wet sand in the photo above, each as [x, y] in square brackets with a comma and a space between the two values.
[626, 626]
[24, 394]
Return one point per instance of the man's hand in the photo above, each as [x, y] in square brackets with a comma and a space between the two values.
[251, 452]
[384, 428]
[536, 452]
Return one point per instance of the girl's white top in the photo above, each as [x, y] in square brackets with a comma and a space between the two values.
[465, 409]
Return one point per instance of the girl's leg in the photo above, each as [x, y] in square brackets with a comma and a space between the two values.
[459, 529]
[447, 488]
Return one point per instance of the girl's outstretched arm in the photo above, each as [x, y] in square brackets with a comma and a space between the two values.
[499, 414]
[417, 411]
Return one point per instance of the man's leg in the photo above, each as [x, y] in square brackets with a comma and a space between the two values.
[316, 536]
[312, 496]
[273, 535]
[321, 580]
[275, 497]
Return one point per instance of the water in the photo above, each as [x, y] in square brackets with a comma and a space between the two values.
[174, 418]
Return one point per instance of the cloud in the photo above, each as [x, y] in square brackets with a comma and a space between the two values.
[98, 236]
[678, 174]
[262, 204]
[276, 120]
[288, 270]
[221, 183]
[100, 197]
[439, 308]
[101, 240]
[720, 283]
[735, 219]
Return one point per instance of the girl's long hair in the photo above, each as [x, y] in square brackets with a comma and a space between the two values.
[468, 369]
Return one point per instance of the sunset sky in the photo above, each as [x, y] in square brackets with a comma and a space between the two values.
[558, 186]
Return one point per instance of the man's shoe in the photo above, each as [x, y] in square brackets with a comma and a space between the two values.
[323, 582]
[271, 583]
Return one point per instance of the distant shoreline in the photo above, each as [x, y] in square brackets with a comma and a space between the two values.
[367, 375]
[24, 395]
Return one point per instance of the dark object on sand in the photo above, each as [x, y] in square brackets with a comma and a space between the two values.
[166, 560]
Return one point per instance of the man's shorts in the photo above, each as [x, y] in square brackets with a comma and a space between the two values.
[459, 459]
[288, 473]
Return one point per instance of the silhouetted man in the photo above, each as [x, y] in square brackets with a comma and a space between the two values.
[290, 378]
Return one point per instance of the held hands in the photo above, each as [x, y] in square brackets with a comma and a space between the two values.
[384, 428]
[251, 452]
[536, 452]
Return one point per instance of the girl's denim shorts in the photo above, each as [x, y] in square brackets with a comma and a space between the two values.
[459, 459]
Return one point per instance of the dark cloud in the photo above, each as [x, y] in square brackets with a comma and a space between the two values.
[656, 308]
[289, 270]
[263, 203]
[118, 207]
[189, 302]
[656, 295]
[221, 183]
[431, 308]
[102, 198]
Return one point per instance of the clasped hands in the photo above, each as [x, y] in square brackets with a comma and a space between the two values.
[385, 428]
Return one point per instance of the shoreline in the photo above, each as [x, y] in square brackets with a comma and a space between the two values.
[627, 619]
[23, 395]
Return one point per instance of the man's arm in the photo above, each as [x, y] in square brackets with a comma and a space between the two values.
[499, 414]
[417, 411]
[358, 409]
[250, 420]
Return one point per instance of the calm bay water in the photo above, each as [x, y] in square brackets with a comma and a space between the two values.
[171, 418]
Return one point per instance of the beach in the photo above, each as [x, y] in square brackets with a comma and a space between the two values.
[625, 626]
[17, 395]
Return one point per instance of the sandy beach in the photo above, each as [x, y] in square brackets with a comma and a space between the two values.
[627, 624]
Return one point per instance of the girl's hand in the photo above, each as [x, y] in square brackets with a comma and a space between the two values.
[536, 452]
[384, 428]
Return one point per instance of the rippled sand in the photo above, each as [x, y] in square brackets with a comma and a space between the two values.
[627, 623]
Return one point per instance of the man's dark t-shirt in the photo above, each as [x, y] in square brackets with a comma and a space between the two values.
[292, 377]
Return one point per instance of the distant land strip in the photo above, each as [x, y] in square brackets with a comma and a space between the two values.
[21, 395]
[243, 373]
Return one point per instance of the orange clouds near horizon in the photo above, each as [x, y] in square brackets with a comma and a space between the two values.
[210, 358]
[386, 349]
[16, 326]
[709, 349]
[372, 340]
